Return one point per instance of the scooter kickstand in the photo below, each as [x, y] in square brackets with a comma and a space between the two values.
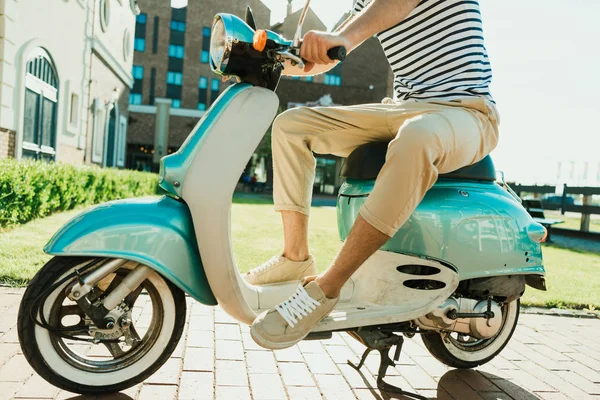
[383, 345]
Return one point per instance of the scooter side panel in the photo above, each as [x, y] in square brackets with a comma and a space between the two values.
[155, 231]
[476, 227]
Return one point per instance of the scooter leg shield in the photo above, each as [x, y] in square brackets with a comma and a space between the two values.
[157, 232]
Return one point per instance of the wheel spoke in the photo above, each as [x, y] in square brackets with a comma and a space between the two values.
[72, 309]
[114, 349]
[132, 297]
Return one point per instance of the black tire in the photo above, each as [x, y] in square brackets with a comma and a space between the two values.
[48, 275]
[441, 350]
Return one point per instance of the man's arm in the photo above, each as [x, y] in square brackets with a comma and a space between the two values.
[378, 16]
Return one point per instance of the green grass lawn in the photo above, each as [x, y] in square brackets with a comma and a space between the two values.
[573, 277]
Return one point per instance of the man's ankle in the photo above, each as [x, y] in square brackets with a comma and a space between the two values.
[296, 256]
[331, 292]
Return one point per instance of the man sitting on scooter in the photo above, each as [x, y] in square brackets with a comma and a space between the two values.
[442, 118]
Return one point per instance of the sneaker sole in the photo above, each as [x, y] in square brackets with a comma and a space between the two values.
[267, 344]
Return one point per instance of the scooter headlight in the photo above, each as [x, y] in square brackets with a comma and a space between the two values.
[220, 46]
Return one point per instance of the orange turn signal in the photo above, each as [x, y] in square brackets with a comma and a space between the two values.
[545, 237]
[259, 41]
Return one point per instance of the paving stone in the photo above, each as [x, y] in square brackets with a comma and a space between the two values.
[168, 374]
[291, 354]
[321, 364]
[304, 393]
[458, 388]
[433, 367]
[266, 387]
[493, 396]
[233, 392]
[154, 392]
[552, 379]
[202, 323]
[196, 386]
[333, 387]
[588, 373]
[231, 373]
[295, 374]
[17, 369]
[358, 379]
[230, 350]
[579, 381]
[7, 351]
[201, 339]
[10, 337]
[227, 332]
[250, 344]
[8, 389]
[550, 353]
[221, 317]
[261, 362]
[311, 346]
[199, 359]
[341, 354]
[36, 386]
[552, 396]
[477, 381]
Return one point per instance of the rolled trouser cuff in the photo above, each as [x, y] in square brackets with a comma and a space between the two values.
[377, 223]
[292, 207]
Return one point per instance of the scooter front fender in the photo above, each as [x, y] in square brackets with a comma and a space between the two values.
[155, 231]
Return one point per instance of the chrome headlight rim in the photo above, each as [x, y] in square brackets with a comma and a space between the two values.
[227, 46]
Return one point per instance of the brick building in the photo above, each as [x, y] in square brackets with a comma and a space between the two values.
[66, 74]
[171, 61]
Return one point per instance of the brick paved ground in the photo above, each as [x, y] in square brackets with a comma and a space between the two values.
[550, 358]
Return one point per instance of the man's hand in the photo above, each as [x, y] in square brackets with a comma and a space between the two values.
[315, 45]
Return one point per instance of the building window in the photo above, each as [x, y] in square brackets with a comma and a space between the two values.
[204, 56]
[41, 104]
[99, 130]
[176, 103]
[203, 82]
[178, 26]
[137, 71]
[174, 78]
[152, 85]
[333, 80]
[104, 14]
[214, 88]
[175, 51]
[309, 79]
[139, 44]
[202, 106]
[135, 98]
[74, 111]
[155, 36]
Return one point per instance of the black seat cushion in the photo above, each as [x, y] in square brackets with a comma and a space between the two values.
[366, 161]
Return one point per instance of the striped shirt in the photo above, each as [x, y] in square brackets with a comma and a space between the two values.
[437, 51]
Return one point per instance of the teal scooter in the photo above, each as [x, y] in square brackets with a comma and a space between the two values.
[108, 310]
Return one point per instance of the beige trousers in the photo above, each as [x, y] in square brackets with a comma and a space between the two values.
[426, 139]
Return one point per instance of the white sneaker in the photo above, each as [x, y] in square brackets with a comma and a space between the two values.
[280, 269]
[292, 320]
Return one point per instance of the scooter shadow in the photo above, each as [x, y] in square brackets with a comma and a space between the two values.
[454, 385]
[110, 396]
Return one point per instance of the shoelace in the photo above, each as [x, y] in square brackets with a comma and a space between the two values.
[297, 307]
[267, 265]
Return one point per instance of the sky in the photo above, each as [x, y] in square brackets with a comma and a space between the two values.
[546, 63]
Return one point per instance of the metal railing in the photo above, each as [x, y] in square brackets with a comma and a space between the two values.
[586, 209]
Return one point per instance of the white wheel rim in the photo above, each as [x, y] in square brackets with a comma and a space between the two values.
[89, 378]
[494, 346]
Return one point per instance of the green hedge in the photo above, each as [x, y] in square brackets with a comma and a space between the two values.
[33, 189]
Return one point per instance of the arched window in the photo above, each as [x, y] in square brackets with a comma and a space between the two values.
[41, 100]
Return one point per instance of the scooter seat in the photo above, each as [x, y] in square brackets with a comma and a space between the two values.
[366, 161]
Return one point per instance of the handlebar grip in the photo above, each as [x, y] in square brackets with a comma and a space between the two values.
[337, 53]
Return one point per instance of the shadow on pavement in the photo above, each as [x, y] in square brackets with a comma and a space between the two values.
[463, 384]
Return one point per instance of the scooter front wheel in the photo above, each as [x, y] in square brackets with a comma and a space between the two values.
[71, 353]
[463, 351]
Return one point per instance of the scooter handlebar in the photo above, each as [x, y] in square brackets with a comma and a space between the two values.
[337, 53]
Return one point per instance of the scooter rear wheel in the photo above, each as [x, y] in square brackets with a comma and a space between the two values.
[155, 318]
[462, 351]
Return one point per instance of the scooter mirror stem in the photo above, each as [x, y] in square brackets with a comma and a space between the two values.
[298, 34]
